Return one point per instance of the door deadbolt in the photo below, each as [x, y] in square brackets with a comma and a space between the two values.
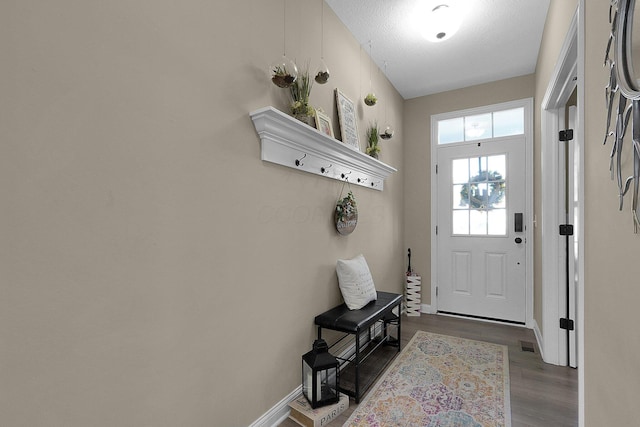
[518, 240]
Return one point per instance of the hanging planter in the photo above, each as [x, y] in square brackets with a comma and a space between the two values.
[387, 134]
[388, 130]
[346, 215]
[322, 75]
[370, 99]
[284, 73]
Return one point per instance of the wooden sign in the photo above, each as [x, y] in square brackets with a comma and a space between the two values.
[348, 120]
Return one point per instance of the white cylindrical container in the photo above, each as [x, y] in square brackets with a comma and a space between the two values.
[412, 295]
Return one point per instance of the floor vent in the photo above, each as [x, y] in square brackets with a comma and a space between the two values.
[527, 346]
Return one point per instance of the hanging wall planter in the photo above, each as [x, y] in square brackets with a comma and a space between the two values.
[346, 215]
[322, 75]
[370, 99]
[388, 130]
[284, 73]
[387, 134]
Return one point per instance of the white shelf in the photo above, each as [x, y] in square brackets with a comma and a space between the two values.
[289, 142]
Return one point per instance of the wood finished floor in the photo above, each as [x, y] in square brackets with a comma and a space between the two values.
[541, 394]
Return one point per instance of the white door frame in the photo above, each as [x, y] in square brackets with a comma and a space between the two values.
[572, 157]
[551, 339]
[527, 104]
[570, 64]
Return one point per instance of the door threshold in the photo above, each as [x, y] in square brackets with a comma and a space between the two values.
[481, 318]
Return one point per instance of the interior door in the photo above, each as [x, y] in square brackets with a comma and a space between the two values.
[481, 229]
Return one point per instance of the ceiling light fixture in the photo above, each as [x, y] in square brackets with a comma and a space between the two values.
[438, 21]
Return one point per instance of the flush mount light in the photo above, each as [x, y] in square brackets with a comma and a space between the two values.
[437, 20]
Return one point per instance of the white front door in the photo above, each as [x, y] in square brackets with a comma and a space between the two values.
[481, 229]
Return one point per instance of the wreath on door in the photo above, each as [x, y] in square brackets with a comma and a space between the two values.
[476, 197]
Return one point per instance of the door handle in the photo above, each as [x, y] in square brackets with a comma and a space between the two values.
[518, 240]
[518, 223]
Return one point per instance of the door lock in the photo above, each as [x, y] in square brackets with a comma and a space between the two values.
[518, 240]
[518, 222]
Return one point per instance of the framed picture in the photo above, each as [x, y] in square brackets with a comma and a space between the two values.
[323, 123]
[348, 120]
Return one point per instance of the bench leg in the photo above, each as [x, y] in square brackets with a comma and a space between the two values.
[399, 327]
[357, 364]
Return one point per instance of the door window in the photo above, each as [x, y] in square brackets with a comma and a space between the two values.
[479, 196]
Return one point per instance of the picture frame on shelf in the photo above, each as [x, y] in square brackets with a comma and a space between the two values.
[348, 120]
[323, 123]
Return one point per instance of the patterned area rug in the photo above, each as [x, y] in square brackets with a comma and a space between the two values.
[440, 381]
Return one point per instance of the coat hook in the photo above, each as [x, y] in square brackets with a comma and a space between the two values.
[325, 170]
[362, 179]
[344, 175]
[299, 162]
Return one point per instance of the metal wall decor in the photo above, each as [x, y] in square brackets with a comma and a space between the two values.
[625, 84]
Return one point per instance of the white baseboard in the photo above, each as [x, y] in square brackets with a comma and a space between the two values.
[278, 413]
[536, 331]
[426, 308]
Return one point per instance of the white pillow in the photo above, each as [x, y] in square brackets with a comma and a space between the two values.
[356, 283]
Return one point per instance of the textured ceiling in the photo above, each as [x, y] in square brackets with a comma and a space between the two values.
[498, 39]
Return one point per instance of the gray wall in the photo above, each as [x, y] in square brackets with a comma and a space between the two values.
[612, 270]
[154, 270]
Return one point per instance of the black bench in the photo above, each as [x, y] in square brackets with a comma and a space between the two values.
[359, 323]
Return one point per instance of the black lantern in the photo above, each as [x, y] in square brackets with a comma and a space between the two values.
[320, 376]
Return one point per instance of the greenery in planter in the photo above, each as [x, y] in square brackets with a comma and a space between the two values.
[373, 149]
[322, 77]
[299, 92]
[345, 207]
[281, 77]
[388, 133]
[370, 99]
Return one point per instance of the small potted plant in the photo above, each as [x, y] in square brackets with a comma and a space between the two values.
[373, 149]
[299, 92]
[370, 99]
